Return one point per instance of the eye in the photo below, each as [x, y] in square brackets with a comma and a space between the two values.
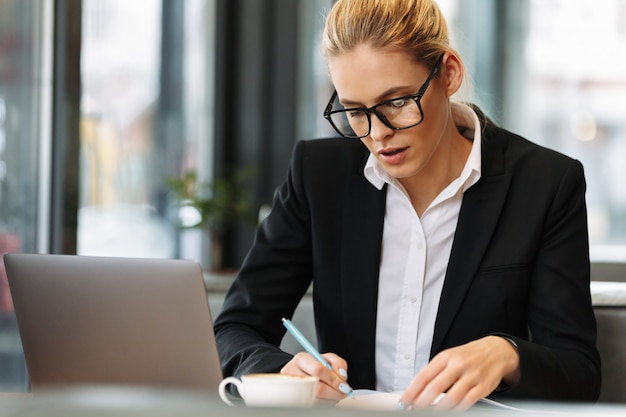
[397, 103]
[356, 114]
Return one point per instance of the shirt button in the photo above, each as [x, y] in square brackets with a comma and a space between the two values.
[413, 300]
[407, 357]
[420, 246]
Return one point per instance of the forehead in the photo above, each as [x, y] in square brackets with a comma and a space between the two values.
[365, 74]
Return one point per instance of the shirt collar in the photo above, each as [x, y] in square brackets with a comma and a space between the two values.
[466, 121]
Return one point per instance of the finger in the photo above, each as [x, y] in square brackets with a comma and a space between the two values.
[330, 385]
[305, 364]
[328, 394]
[466, 382]
[340, 369]
[455, 395]
[340, 366]
[460, 397]
[453, 374]
[432, 392]
[469, 388]
[294, 367]
[420, 382]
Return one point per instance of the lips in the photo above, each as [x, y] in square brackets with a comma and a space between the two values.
[391, 152]
[392, 155]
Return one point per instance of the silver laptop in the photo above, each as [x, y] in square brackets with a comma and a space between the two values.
[123, 321]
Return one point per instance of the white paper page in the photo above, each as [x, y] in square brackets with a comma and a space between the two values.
[376, 400]
[371, 400]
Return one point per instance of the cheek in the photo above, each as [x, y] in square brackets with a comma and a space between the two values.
[436, 110]
[431, 106]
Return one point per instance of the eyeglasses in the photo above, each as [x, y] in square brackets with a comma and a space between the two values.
[397, 113]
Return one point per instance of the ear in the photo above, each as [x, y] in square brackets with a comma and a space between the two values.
[453, 70]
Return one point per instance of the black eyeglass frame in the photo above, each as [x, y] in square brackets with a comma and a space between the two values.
[369, 110]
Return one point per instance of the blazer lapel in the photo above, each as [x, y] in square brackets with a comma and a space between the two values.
[364, 210]
[478, 217]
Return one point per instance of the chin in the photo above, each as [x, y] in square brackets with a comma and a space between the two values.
[401, 173]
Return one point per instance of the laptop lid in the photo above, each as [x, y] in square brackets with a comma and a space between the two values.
[101, 320]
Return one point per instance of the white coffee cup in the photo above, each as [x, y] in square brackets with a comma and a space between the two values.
[272, 390]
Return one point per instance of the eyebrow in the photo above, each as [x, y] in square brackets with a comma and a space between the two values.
[386, 95]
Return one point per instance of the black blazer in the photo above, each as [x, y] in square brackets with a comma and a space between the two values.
[519, 267]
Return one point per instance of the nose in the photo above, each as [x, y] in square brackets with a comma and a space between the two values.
[379, 130]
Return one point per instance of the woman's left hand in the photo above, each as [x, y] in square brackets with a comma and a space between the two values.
[464, 373]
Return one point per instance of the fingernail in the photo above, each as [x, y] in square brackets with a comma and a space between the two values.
[400, 406]
[343, 372]
[345, 388]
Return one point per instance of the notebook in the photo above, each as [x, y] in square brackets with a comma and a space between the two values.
[122, 321]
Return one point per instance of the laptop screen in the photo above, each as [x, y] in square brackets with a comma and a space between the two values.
[123, 321]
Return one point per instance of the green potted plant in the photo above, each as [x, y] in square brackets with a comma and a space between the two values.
[210, 206]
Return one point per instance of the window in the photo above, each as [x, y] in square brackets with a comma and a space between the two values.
[25, 93]
[145, 115]
[120, 95]
[576, 85]
[555, 72]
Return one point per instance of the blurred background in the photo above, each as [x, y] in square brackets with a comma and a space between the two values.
[104, 102]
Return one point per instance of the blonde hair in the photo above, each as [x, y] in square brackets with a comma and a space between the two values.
[415, 26]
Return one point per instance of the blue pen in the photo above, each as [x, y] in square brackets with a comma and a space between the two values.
[304, 342]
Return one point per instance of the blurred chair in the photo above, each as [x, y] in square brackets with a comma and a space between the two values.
[609, 304]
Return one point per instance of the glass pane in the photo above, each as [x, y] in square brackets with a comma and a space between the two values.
[315, 88]
[145, 117]
[560, 82]
[576, 60]
[120, 73]
[23, 92]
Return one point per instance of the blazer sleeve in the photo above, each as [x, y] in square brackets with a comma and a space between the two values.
[272, 280]
[560, 361]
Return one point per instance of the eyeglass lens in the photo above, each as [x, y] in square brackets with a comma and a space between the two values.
[399, 113]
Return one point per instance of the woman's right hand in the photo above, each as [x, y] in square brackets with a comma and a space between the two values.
[332, 385]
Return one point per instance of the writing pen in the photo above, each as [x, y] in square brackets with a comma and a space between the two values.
[304, 342]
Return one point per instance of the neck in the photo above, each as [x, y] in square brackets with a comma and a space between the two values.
[444, 167]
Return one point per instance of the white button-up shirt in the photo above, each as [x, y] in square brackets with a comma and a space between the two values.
[415, 254]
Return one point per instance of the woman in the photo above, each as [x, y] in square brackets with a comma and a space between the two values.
[447, 255]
